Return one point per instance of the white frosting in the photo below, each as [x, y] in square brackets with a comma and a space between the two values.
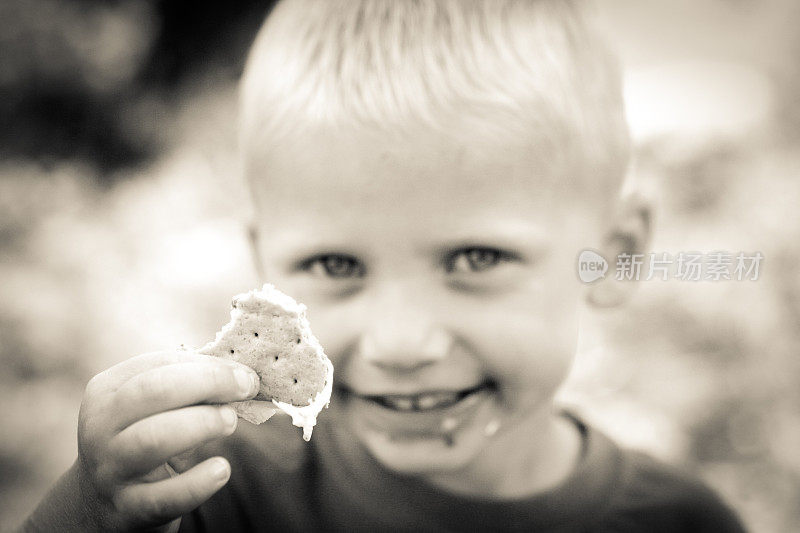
[306, 416]
[269, 292]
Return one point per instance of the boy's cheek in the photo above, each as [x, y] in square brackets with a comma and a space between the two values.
[535, 369]
[524, 350]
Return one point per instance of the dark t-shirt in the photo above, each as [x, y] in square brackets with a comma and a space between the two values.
[280, 483]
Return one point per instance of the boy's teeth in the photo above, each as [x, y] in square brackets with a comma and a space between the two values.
[401, 403]
[421, 402]
[432, 401]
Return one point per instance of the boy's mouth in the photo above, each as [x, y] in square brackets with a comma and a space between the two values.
[436, 413]
[426, 401]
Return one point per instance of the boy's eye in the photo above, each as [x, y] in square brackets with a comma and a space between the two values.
[335, 266]
[475, 260]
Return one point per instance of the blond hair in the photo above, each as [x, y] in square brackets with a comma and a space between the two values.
[535, 66]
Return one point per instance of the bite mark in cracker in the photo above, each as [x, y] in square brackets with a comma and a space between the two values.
[269, 332]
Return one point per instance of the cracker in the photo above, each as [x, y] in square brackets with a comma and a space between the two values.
[269, 332]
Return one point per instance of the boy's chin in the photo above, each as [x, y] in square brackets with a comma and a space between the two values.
[430, 452]
[420, 455]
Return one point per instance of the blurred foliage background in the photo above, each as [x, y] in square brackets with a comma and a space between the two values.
[121, 227]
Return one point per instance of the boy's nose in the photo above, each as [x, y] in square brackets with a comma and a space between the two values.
[401, 334]
[404, 350]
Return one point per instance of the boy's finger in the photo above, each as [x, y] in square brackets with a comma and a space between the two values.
[178, 385]
[145, 444]
[114, 377]
[161, 501]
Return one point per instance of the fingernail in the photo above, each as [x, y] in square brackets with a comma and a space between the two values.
[220, 470]
[229, 417]
[247, 381]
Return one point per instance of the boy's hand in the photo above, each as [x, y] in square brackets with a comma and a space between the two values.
[137, 418]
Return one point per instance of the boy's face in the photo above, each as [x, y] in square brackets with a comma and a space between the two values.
[439, 277]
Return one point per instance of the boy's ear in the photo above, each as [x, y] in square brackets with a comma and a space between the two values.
[629, 233]
[252, 239]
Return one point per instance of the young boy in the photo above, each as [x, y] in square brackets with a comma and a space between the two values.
[424, 175]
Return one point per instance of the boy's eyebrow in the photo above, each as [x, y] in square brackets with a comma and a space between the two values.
[299, 239]
[502, 234]
[299, 252]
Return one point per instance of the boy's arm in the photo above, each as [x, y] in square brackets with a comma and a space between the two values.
[61, 509]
